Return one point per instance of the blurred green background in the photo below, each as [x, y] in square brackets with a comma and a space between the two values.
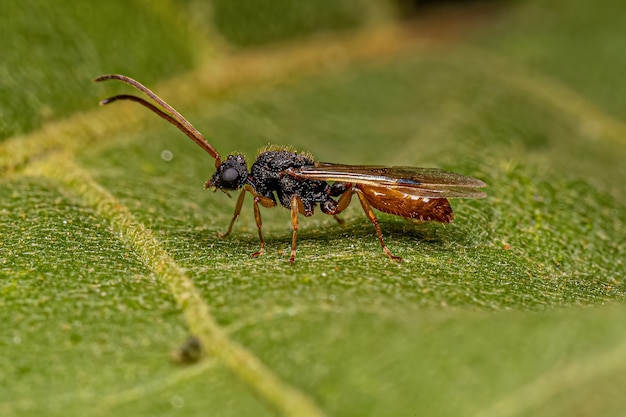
[516, 309]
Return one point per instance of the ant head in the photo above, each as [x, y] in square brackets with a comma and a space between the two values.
[230, 175]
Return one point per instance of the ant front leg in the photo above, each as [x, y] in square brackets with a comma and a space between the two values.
[236, 215]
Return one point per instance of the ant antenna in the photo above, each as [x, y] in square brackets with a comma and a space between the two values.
[171, 115]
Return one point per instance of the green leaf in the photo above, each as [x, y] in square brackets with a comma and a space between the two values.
[109, 257]
[51, 51]
[249, 23]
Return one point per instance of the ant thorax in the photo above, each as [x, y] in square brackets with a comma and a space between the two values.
[268, 175]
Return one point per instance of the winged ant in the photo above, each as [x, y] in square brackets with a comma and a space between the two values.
[298, 183]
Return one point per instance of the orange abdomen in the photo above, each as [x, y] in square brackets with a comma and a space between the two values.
[392, 201]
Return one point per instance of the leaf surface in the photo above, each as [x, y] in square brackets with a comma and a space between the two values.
[109, 257]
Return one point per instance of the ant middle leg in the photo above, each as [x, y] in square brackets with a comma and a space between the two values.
[265, 202]
[295, 209]
[259, 224]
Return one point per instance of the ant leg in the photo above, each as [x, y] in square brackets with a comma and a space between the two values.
[344, 201]
[236, 215]
[259, 223]
[370, 214]
[338, 206]
[295, 226]
[265, 202]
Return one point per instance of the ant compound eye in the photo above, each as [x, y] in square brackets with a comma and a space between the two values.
[230, 175]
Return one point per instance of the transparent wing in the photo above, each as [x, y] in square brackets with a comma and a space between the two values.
[421, 182]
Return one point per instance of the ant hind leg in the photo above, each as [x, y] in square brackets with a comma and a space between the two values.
[370, 215]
